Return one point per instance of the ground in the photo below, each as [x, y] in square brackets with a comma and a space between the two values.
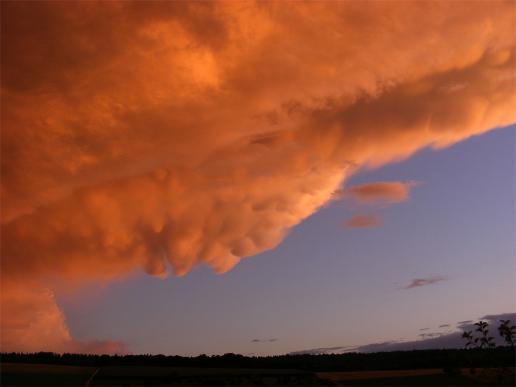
[61, 375]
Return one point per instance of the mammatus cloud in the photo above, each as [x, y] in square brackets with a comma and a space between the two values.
[363, 221]
[417, 282]
[384, 191]
[159, 136]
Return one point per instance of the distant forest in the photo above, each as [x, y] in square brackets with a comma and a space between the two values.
[443, 358]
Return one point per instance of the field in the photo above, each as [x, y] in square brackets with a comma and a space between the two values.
[52, 375]
[63, 375]
[423, 377]
[44, 375]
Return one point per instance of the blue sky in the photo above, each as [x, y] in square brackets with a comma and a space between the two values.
[326, 285]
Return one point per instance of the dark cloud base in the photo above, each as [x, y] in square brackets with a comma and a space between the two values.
[432, 340]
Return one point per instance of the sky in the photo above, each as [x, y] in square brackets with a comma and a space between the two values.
[326, 285]
[246, 177]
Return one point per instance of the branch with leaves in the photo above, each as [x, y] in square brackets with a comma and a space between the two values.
[484, 341]
[479, 338]
[508, 332]
[468, 336]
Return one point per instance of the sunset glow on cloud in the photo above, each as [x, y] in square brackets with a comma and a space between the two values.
[384, 191]
[363, 221]
[160, 136]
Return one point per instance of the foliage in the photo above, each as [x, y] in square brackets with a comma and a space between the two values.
[468, 336]
[479, 338]
[484, 341]
[508, 332]
[481, 341]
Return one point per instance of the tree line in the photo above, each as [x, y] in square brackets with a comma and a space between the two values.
[438, 358]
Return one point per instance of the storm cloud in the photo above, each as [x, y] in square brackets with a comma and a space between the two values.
[159, 136]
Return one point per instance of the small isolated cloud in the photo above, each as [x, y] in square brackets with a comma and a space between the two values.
[424, 329]
[444, 326]
[430, 335]
[378, 192]
[264, 340]
[363, 221]
[417, 282]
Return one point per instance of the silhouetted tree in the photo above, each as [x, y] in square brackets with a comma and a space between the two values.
[468, 336]
[508, 332]
[484, 341]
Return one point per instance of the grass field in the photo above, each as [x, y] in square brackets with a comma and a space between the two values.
[16, 374]
[423, 377]
[52, 375]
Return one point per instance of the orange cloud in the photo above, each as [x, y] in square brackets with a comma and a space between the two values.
[32, 321]
[363, 221]
[384, 191]
[166, 135]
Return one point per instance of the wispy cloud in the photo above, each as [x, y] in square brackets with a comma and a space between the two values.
[363, 221]
[418, 282]
[273, 340]
[324, 350]
[430, 335]
[377, 192]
